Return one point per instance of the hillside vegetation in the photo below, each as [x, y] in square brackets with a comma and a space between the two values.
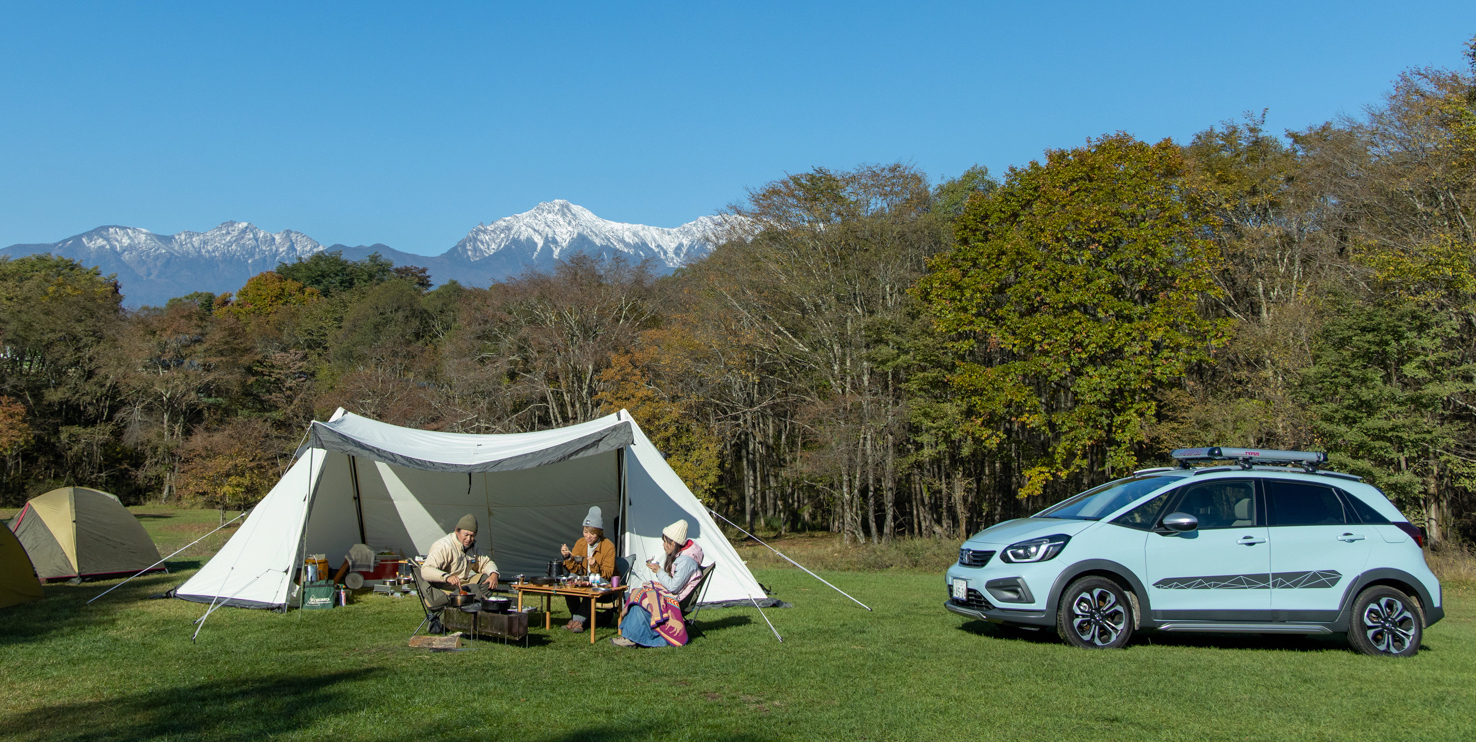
[867, 352]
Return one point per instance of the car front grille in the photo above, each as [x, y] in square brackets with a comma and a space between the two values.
[974, 557]
[975, 601]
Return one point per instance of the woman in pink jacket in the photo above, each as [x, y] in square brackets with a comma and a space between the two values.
[652, 617]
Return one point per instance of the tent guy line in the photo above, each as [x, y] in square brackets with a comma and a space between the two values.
[787, 559]
[171, 556]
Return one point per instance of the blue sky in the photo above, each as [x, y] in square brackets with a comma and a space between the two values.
[408, 123]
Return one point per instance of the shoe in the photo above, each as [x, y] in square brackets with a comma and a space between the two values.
[621, 641]
[575, 626]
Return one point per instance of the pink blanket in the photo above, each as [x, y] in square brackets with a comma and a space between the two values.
[666, 612]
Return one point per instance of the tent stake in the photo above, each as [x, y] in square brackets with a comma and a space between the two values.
[787, 559]
[171, 556]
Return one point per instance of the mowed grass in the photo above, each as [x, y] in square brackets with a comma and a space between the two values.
[124, 668]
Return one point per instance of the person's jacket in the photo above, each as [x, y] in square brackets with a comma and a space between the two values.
[602, 564]
[446, 557]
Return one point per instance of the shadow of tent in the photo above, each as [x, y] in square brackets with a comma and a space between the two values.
[705, 624]
[235, 707]
[65, 610]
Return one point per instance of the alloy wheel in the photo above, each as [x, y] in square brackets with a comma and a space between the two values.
[1389, 625]
[1098, 617]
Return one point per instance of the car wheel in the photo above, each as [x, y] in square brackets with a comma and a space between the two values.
[1095, 614]
[1385, 623]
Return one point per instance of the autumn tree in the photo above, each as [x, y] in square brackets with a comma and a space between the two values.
[1072, 300]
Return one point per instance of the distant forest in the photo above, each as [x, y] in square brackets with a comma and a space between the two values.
[866, 351]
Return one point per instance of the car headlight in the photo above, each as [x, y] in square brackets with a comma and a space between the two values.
[1036, 549]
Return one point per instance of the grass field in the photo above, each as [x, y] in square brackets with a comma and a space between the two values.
[124, 668]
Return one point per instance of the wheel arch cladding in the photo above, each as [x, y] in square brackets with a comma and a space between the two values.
[1395, 578]
[1112, 571]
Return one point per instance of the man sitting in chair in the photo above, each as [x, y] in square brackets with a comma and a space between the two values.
[453, 563]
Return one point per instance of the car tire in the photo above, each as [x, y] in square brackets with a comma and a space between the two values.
[1095, 613]
[1385, 623]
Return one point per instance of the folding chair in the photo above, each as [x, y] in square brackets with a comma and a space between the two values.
[422, 590]
[693, 602]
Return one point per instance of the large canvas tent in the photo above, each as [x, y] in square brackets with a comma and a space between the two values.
[18, 581]
[357, 480]
[81, 532]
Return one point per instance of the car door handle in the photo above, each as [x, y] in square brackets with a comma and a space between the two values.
[1351, 537]
[1251, 540]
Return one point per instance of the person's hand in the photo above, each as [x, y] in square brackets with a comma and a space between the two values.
[492, 581]
[453, 580]
[651, 565]
[565, 550]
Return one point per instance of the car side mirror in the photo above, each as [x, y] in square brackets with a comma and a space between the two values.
[1180, 522]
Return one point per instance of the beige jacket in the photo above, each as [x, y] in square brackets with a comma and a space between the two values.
[447, 558]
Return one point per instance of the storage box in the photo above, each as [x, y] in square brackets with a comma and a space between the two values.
[317, 595]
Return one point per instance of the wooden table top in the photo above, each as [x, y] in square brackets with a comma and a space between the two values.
[528, 587]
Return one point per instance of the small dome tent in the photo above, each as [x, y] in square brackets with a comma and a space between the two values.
[18, 583]
[80, 532]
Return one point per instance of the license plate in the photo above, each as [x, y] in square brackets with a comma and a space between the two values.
[960, 588]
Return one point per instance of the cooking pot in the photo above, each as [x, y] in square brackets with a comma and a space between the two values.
[460, 600]
[556, 568]
[495, 605]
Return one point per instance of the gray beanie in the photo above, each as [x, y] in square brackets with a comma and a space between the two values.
[594, 519]
[468, 522]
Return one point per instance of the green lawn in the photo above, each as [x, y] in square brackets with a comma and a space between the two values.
[124, 668]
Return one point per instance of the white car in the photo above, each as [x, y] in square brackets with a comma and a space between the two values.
[1246, 547]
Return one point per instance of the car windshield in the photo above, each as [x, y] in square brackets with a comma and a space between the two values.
[1096, 503]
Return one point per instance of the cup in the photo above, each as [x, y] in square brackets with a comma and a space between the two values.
[615, 581]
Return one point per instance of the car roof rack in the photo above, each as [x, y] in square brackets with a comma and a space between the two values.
[1249, 457]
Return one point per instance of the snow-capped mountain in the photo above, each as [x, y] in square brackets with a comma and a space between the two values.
[556, 229]
[153, 268]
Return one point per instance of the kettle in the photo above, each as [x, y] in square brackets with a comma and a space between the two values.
[556, 568]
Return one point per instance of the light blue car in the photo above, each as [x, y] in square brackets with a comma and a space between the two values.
[1268, 544]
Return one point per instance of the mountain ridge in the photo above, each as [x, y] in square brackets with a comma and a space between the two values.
[152, 268]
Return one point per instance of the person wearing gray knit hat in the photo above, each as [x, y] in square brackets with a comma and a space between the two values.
[592, 555]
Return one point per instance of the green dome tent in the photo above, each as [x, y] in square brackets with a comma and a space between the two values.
[80, 532]
[18, 583]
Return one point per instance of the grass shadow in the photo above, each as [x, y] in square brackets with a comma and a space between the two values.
[65, 610]
[701, 626]
[612, 733]
[1279, 642]
[235, 708]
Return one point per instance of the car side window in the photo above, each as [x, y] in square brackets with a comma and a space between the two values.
[1365, 513]
[1220, 504]
[1302, 504]
[1144, 517]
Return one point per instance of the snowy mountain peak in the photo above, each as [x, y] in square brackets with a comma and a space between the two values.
[553, 229]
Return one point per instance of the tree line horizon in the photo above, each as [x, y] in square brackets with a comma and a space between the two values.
[865, 351]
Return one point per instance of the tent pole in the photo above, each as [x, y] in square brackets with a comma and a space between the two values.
[787, 559]
[623, 512]
[171, 556]
[358, 505]
[766, 618]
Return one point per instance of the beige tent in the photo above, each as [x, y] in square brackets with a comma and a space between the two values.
[80, 532]
[18, 582]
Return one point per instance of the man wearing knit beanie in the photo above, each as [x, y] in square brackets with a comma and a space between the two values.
[452, 562]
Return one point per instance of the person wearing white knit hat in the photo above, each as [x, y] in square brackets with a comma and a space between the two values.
[678, 576]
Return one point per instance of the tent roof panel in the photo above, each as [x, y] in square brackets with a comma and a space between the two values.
[462, 452]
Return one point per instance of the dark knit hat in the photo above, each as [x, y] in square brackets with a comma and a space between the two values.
[468, 522]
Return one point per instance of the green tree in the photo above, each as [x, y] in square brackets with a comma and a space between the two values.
[329, 272]
[1071, 300]
[1382, 374]
[263, 295]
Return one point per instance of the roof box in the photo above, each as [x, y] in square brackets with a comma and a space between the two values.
[1185, 456]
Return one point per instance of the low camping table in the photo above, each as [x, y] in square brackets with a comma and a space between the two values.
[548, 591]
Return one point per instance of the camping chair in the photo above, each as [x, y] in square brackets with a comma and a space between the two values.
[693, 602]
[622, 568]
[422, 590]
